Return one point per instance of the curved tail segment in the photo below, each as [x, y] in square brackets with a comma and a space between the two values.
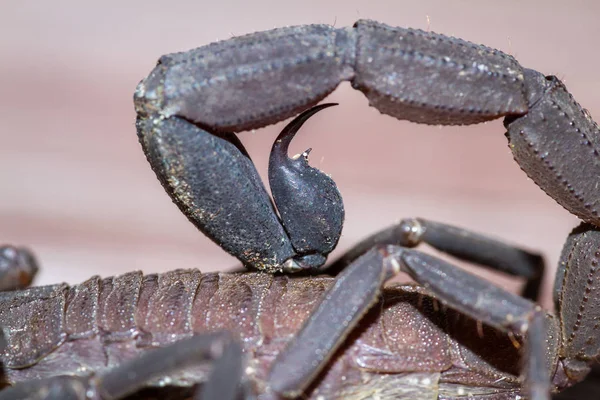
[259, 79]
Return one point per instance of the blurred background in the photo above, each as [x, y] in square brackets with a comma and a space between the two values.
[77, 188]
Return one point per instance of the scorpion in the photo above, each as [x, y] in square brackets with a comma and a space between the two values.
[452, 336]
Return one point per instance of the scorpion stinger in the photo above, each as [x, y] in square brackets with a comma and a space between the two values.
[310, 205]
[212, 179]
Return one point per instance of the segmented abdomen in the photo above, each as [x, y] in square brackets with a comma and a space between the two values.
[102, 322]
[405, 345]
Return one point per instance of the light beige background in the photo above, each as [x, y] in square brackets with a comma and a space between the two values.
[76, 187]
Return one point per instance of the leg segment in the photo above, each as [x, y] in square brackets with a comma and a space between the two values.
[458, 242]
[56, 388]
[224, 383]
[225, 380]
[219, 349]
[358, 288]
[537, 378]
[351, 296]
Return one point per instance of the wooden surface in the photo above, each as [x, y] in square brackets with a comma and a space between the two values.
[77, 189]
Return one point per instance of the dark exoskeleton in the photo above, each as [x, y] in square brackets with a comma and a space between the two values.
[192, 102]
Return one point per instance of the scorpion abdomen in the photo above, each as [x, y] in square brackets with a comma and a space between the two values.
[100, 323]
[264, 312]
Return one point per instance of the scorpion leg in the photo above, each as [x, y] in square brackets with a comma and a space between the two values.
[358, 287]
[225, 381]
[458, 242]
[55, 388]
[18, 267]
[219, 349]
